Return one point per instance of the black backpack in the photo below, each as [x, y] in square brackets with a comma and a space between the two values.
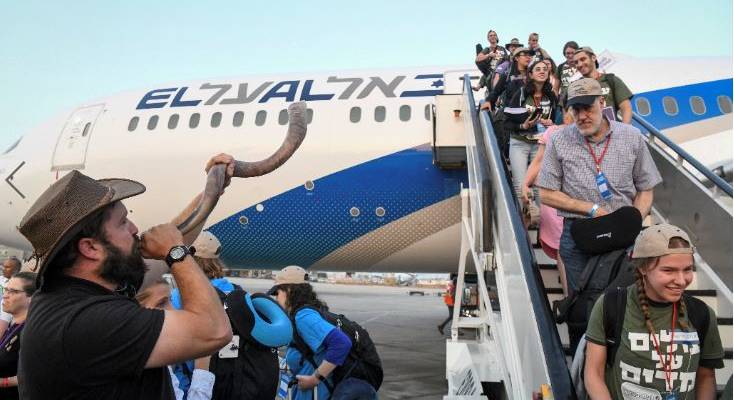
[254, 374]
[612, 269]
[363, 362]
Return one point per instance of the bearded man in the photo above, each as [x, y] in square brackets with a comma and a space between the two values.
[85, 336]
[594, 167]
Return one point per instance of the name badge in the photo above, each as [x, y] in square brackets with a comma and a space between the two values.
[603, 185]
[672, 395]
[231, 349]
[686, 337]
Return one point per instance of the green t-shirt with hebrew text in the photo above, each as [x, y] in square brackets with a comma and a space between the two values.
[637, 372]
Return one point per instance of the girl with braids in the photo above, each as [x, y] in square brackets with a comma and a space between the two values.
[329, 345]
[537, 96]
[660, 353]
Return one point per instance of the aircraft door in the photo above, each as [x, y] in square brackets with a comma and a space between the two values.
[71, 148]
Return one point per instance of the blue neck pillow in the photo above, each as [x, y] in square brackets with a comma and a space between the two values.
[258, 318]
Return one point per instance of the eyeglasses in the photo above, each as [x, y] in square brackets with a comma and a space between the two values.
[13, 291]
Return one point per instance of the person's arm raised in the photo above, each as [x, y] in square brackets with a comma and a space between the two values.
[202, 326]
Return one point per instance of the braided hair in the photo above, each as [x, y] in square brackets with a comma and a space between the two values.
[647, 264]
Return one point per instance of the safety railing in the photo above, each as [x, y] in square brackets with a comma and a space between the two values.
[682, 155]
[529, 338]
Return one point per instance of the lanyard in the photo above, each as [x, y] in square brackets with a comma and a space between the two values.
[598, 161]
[10, 333]
[668, 361]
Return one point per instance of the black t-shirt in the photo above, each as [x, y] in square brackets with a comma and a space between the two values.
[9, 346]
[82, 341]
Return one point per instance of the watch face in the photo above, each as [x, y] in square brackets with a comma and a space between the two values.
[177, 253]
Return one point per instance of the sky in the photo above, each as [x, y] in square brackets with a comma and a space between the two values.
[55, 55]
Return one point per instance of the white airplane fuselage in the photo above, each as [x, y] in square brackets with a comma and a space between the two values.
[360, 194]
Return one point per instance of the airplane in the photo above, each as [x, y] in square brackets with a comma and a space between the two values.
[361, 193]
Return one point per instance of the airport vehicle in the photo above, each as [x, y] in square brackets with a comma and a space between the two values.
[389, 178]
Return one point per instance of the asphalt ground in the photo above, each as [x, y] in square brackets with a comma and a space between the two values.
[403, 327]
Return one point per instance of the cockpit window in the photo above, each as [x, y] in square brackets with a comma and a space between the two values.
[13, 146]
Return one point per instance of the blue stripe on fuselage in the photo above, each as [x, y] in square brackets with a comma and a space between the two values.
[708, 91]
[302, 226]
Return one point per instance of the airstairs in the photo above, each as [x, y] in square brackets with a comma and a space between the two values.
[510, 347]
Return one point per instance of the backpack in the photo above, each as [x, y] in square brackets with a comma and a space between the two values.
[253, 374]
[363, 362]
[605, 270]
[615, 306]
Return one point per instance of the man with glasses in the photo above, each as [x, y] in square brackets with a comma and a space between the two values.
[566, 72]
[11, 266]
[16, 300]
[592, 168]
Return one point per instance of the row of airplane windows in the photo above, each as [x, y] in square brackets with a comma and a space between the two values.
[238, 118]
[670, 105]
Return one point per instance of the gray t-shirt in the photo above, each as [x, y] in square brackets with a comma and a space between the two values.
[568, 166]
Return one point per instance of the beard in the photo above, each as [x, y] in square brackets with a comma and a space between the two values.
[126, 270]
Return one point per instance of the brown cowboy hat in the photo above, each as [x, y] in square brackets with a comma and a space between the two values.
[58, 214]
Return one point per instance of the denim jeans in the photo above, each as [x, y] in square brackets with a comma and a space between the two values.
[521, 154]
[573, 258]
[354, 389]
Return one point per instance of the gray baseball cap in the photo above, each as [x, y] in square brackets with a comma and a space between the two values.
[583, 91]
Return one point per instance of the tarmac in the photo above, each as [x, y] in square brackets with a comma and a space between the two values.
[403, 327]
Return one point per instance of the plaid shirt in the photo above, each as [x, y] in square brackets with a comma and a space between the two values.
[568, 166]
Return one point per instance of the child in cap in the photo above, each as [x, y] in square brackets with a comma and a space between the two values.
[669, 344]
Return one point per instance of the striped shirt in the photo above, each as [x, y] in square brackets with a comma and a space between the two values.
[568, 166]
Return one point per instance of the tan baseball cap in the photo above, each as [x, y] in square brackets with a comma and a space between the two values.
[583, 91]
[655, 242]
[585, 49]
[207, 245]
[292, 275]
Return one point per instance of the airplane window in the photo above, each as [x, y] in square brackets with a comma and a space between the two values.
[427, 112]
[216, 119]
[670, 105]
[724, 104]
[260, 117]
[380, 113]
[355, 114]
[133, 124]
[239, 116]
[88, 126]
[309, 115]
[194, 120]
[173, 121]
[283, 117]
[643, 106]
[152, 122]
[404, 113]
[697, 105]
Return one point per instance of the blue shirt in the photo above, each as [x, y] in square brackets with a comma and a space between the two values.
[313, 330]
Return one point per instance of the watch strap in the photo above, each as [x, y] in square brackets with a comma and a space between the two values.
[170, 260]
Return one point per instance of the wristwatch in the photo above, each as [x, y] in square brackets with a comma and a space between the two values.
[176, 254]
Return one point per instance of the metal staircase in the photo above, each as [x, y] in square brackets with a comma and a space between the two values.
[511, 347]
